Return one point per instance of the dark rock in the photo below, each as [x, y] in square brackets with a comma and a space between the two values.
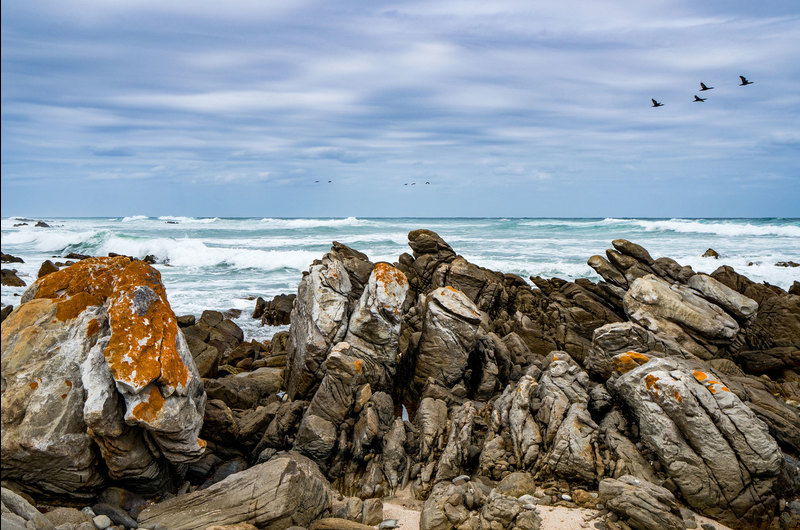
[74, 255]
[7, 309]
[8, 258]
[185, 321]
[42, 224]
[246, 390]
[259, 308]
[787, 264]
[9, 278]
[641, 504]
[710, 253]
[46, 268]
[116, 514]
[278, 311]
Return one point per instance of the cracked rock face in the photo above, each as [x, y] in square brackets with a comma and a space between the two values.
[720, 455]
[94, 356]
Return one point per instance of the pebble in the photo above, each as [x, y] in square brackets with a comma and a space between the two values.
[102, 522]
[565, 497]
[386, 524]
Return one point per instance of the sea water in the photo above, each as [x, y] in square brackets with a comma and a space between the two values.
[224, 263]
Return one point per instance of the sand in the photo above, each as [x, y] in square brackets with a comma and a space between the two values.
[406, 509]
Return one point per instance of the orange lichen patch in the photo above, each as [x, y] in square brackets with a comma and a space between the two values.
[142, 347]
[650, 381]
[386, 274]
[75, 305]
[63, 396]
[625, 362]
[68, 383]
[201, 442]
[358, 365]
[92, 328]
[713, 386]
[678, 397]
[451, 288]
[147, 411]
[34, 385]
[700, 376]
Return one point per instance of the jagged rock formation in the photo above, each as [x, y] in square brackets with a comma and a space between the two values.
[654, 389]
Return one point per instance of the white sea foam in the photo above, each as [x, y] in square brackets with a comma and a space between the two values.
[722, 228]
[134, 218]
[47, 240]
[198, 220]
[312, 223]
[194, 253]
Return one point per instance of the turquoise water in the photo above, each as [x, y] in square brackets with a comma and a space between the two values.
[214, 263]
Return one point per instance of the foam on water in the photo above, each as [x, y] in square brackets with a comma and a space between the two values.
[222, 263]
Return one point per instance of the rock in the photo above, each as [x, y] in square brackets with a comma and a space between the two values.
[351, 508]
[482, 286]
[787, 264]
[102, 522]
[448, 337]
[278, 311]
[372, 512]
[286, 490]
[332, 523]
[258, 311]
[127, 500]
[607, 271]
[17, 505]
[42, 224]
[7, 309]
[76, 256]
[517, 484]
[246, 390]
[9, 278]
[642, 504]
[8, 258]
[710, 253]
[95, 351]
[185, 321]
[777, 328]
[712, 290]
[116, 514]
[319, 320]
[71, 516]
[633, 250]
[676, 311]
[219, 423]
[46, 268]
[714, 448]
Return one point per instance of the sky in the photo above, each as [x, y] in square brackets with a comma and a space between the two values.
[426, 108]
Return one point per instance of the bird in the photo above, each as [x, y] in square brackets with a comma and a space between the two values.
[406, 184]
[330, 181]
[704, 87]
[413, 183]
[744, 81]
[656, 103]
[427, 182]
[316, 181]
[696, 99]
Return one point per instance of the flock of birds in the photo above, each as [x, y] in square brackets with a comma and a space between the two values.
[703, 88]
[405, 184]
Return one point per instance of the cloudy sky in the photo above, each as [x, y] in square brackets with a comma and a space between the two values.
[507, 108]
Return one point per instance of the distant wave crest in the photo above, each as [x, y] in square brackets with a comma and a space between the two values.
[312, 223]
[134, 218]
[721, 228]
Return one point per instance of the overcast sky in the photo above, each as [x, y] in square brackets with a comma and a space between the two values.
[508, 108]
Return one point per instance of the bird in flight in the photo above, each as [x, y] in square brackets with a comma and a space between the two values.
[704, 87]
[696, 99]
[744, 81]
[656, 103]
[427, 183]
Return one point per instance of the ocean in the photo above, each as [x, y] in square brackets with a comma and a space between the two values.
[224, 263]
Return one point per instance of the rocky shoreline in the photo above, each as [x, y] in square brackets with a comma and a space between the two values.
[646, 396]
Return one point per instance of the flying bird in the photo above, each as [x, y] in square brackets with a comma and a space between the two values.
[696, 99]
[427, 183]
[704, 87]
[656, 103]
[744, 81]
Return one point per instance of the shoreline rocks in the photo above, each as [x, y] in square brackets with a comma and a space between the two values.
[484, 395]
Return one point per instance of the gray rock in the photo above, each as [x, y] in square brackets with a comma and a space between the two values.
[372, 512]
[23, 509]
[642, 504]
[284, 491]
[101, 522]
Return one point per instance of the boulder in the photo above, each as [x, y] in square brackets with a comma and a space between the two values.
[9, 278]
[319, 320]
[8, 258]
[718, 453]
[449, 335]
[710, 253]
[640, 503]
[278, 311]
[94, 363]
[246, 390]
[46, 268]
[287, 490]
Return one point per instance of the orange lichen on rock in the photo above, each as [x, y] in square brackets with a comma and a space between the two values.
[68, 383]
[74, 305]
[147, 411]
[650, 382]
[143, 343]
[34, 385]
[386, 274]
[625, 362]
[92, 328]
[358, 365]
[700, 376]
[678, 397]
